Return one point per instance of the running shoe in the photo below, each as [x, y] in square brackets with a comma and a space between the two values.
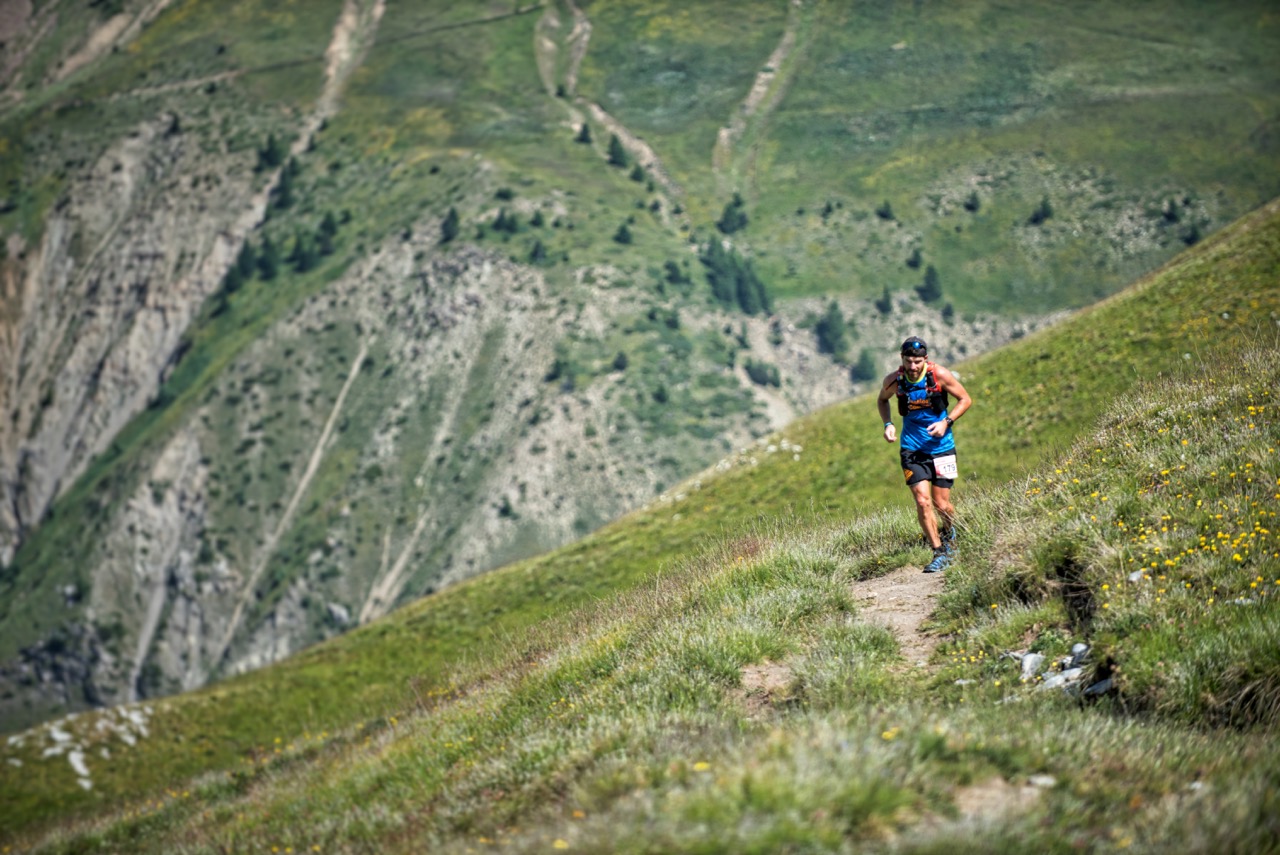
[941, 561]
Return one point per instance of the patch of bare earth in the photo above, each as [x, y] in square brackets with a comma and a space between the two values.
[901, 602]
[766, 686]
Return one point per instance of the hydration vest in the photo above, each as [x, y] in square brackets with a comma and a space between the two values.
[937, 400]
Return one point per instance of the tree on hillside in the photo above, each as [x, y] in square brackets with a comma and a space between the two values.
[449, 227]
[734, 280]
[270, 155]
[617, 154]
[914, 260]
[972, 204]
[734, 218]
[284, 189]
[1042, 212]
[637, 174]
[885, 211]
[246, 261]
[584, 134]
[623, 234]
[865, 368]
[832, 333]
[931, 289]
[268, 260]
[884, 305]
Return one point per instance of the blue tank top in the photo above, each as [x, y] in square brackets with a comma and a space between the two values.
[915, 424]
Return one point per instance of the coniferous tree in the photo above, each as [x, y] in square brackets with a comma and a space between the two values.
[617, 153]
[271, 155]
[284, 190]
[833, 334]
[623, 234]
[449, 227]
[734, 218]
[246, 261]
[232, 281]
[268, 260]
[865, 368]
[584, 134]
[885, 211]
[1042, 212]
[914, 260]
[931, 290]
[884, 305]
[538, 254]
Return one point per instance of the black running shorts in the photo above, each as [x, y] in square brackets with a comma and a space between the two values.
[920, 466]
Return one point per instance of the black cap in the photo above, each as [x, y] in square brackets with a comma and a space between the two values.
[915, 346]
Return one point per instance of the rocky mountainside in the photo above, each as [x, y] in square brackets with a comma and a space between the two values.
[297, 325]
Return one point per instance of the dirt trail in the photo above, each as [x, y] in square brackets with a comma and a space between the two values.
[268, 549]
[765, 95]
[902, 601]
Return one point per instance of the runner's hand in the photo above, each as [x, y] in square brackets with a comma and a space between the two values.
[938, 429]
[890, 433]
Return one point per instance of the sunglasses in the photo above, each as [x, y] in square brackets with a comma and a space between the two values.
[913, 347]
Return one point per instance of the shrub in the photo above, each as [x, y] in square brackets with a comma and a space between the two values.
[617, 153]
[734, 218]
[1042, 212]
[584, 134]
[449, 226]
[931, 289]
[763, 373]
[832, 333]
[865, 368]
[885, 211]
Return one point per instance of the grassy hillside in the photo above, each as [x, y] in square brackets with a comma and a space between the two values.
[544, 702]
[1036, 158]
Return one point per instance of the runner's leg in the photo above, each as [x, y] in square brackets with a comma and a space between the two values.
[946, 510]
[923, 492]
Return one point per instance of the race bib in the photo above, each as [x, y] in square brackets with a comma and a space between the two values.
[946, 467]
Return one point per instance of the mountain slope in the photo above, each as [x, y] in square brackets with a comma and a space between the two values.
[308, 311]
[541, 659]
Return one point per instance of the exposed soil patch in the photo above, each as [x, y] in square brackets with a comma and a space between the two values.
[902, 601]
[766, 685]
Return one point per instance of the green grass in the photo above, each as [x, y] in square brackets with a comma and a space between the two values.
[462, 700]
[1140, 117]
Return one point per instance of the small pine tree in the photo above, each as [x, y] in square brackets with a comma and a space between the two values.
[931, 289]
[449, 226]
[885, 211]
[885, 304]
[733, 218]
[268, 260]
[623, 234]
[865, 368]
[617, 153]
[329, 224]
[833, 334]
[246, 261]
[584, 134]
[949, 314]
[232, 281]
[1042, 212]
[914, 260]
[538, 254]
[270, 155]
[972, 204]
[637, 174]
[284, 190]
[536, 220]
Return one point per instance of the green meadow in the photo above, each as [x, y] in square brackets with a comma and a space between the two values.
[1123, 494]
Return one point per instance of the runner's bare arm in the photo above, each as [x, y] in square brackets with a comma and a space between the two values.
[953, 387]
[888, 389]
